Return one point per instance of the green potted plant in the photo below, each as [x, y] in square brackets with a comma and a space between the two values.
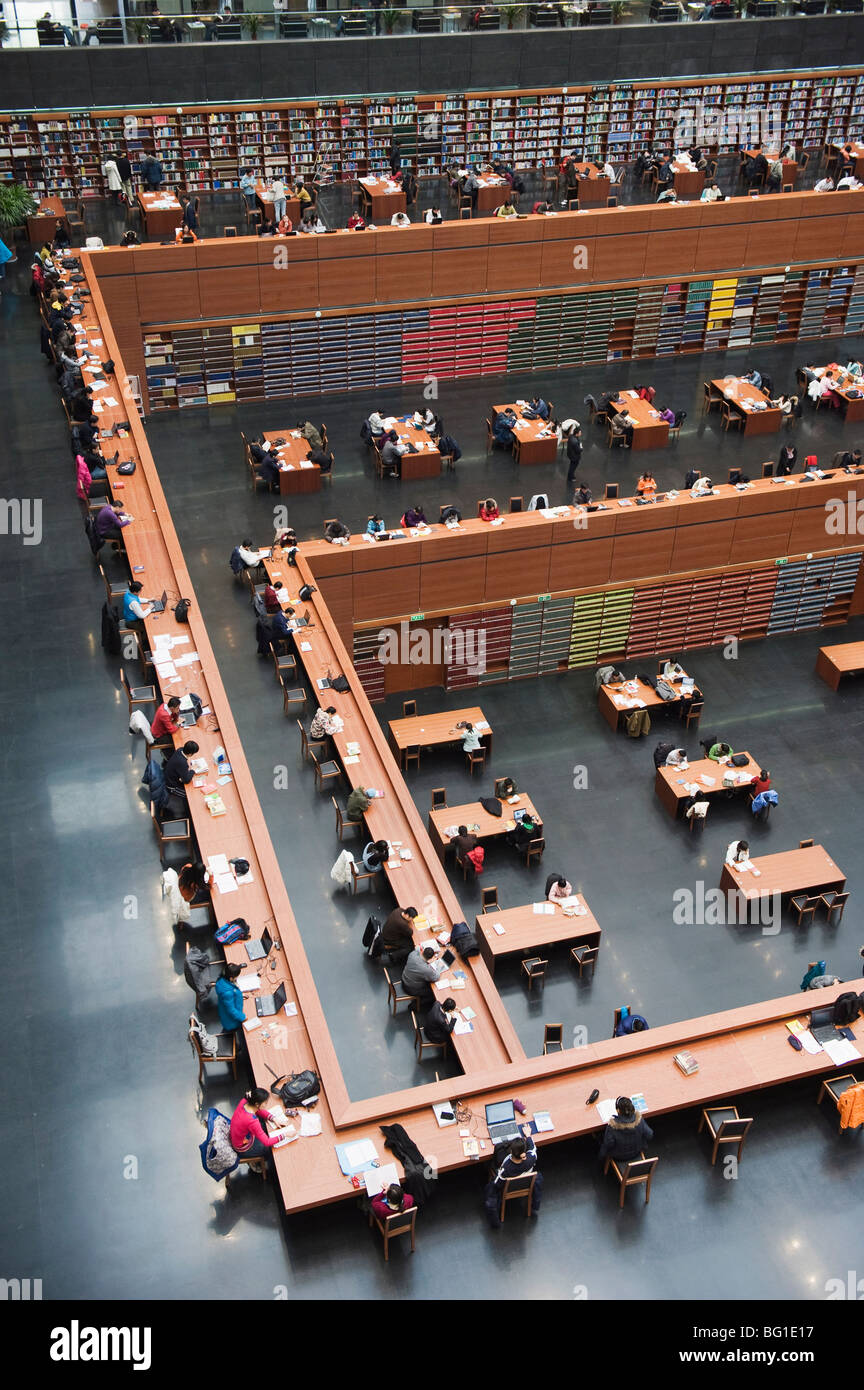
[618, 8]
[16, 204]
[252, 24]
[4, 32]
[390, 18]
[141, 29]
[511, 13]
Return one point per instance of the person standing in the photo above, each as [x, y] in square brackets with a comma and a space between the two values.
[124, 169]
[574, 453]
[279, 199]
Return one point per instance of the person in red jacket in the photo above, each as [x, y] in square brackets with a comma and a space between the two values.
[761, 783]
[489, 510]
[248, 1137]
[395, 1199]
[166, 720]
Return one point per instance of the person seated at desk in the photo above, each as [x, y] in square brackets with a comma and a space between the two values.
[489, 510]
[537, 410]
[251, 558]
[61, 240]
[336, 531]
[668, 196]
[525, 830]
[503, 428]
[414, 516]
[672, 670]
[738, 855]
[786, 461]
[462, 843]
[752, 376]
[229, 999]
[310, 222]
[376, 424]
[110, 520]
[848, 181]
[419, 974]
[271, 596]
[647, 485]
[719, 752]
[519, 1163]
[166, 720]
[267, 227]
[542, 206]
[711, 193]
[376, 854]
[391, 453]
[356, 223]
[677, 757]
[824, 386]
[130, 238]
[701, 488]
[626, 1134]
[440, 1021]
[395, 1199]
[247, 1137]
[470, 738]
[177, 772]
[375, 526]
[668, 415]
[299, 190]
[323, 459]
[665, 175]
[397, 934]
[557, 888]
[507, 209]
[825, 185]
[267, 465]
[762, 783]
[185, 237]
[755, 168]
[247, 188]
[854, 367]
[622, 423]
[433, 216]
[785, 404]
[582, 497]
[400, 219]
[424, 419]
[774, 175]
[851, 462]
[134, 611]
[326, 722]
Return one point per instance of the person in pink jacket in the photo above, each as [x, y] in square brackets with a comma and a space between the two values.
[82, 486]
[248, 1136]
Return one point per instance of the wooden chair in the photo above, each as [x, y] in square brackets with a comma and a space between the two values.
[342, 820]
[616, 1017]
[518, 1189]
[805, 844]
[553, 1038]
[401, 1223]
[137, 694]
[638, 1170]
[409, 709]
[229, 231]
[170, 832]
[324, 772]
[583, 956]
[359, 872]
[730, 419]
[803, 906]
[293, 698]
[422, 1043]
[411, 757]
[711, 399]
[306, 743]
[439, 798]
[725, 1126]
[284, 665]
[533, 852]
[615, 438]
[517, 450]
[516, 504]
[534, 970]
[490, 438]
[489, 899]
[253, 216]
[834, 1086]
[76, 220]
[692, 713]
[611, 491]
[448, 463]
[767, 470]
[834, 903]
[476, 758]
[396, 994]
[226, 1052]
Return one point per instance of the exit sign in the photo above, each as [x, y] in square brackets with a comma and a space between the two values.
[417, 617]
[543, 598]
[783, 561]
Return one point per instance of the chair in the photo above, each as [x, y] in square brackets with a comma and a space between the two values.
[733, 476]
[612, 200]
[804, 906]
[611, 491]
[767, 470]
[75, 220]
[518, 1189]
[324, 772]
[490, 438]
[787, 188]
[615, 438]
[534, 970]
[553, 1038]
[805, 844]
[411, 757]
[306, 742]
[711, 399]
[342, 820]
[448, 463]
[692, 713]
[834, 1086]
[675, 429]
[360, 872]
[834, 903]
[725, 1126]
[583, 956]
[616, 1017]
[226, 1051]
[439, 798]
[730, 419]
[170, 832]
[475, 758]
[422, 1043]
[229, 231]
[638, 1170]
[489, 899]
[253, 216]
[284, 665]
[401, 1223]
[533, 851]
[396, 994]
[137, 694]
[409, 709]
[696, 818]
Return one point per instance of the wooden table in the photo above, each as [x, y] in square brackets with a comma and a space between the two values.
[534, 441]
[688, 181]
[616, 715]
[492, 193]
[293, 207]
[491, 827]
[160, 221]
[742, 395]
[649, 432]
[525, 930]
[593, 192]
[295, 473]
[42, 225]
[790, 166]
[435, 730]
[852, 406]
[833, 663]
[792, 871]
[426, 463]
[857, 154]
[386, 198]
[668, 781]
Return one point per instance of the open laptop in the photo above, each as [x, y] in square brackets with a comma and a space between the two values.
[267, 1004]
[822, 1024]
[501, 1122]
[158, 605]
[257, 950]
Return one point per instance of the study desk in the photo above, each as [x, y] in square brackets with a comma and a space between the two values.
[296, 474]
[688, 181]
[42, 224]
[436, 730]
[593, 191]
[791, 871]
[535, 441]
[386, 197]
[742, 396]
[790, 166]
[616, 713]
[293, 206]
[649, 432]
[492, 193]
[833, 663]
[857, 154]
[162, 214]
[426, 463]
[669, 781]
[851, 406]
[526, 930]
[490, 827]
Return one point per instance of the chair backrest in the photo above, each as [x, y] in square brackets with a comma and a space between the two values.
[589, 954]
[637, 1170]
[489, 897]
[409, 708]
[553, 1033]
[536, 967]
[611, 490]
[522, 1185]
[401, 1222]
[336, 807]
[516, 504]
[730, 1130]
[616, 1018]
[536, 846]
[439, 798]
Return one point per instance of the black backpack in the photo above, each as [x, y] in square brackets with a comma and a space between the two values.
[181, 612]
[110, 629]
[661, 753]
[845, 1009]
[297, 1087]
[463, 940]
[491, 804]
[372, 937]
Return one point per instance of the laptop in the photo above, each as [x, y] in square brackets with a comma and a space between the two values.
[822, 1024]
[501, 1122]
[158, 604]
[258, 950]
[267, 1004]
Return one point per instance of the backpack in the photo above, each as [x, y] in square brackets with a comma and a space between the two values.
[477, 856]
[661, 753]
[297, 1088]
[238, 930]
[181, 611]
[491, 804]
[111, 629]
[371, 937]
[236, 561]
[463, 940]
[845, 1009]
[638, 723]
[208, 1042]
[665, 691]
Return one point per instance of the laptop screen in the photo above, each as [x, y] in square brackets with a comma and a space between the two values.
[279, 997]
[822, 1018]
[499, 1111]
[266, 941]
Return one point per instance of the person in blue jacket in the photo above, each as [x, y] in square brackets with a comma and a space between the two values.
[502, 429]
[229, 999]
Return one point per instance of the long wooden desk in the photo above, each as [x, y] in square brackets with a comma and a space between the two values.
[852, 406]
[535, 442]
[473, 814]
[386, 198]
[649, 431]
[688, 181]
[296, 474]
[743, 395]
[426, 463]
[593, 190]
[42, 224]
[161, 212]
[668, 781]
[492, 192]
[616, 714]
[792, 871]
[833, 663]
[526, 930]
[436, 730]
